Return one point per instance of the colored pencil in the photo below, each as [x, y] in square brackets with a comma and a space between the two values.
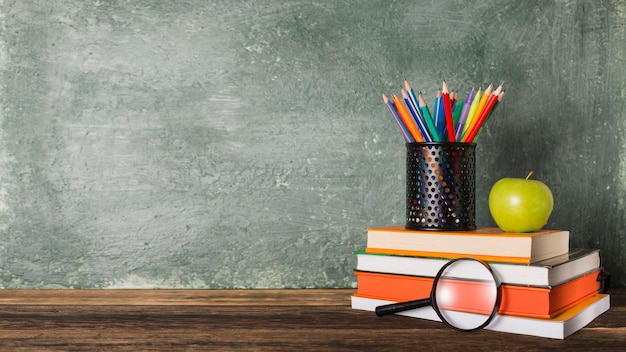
[411, 93]
[466, 107]
[415, 102]
[454, 120]
[453, 100]
[416, 117]
[481, 105]
[441, 113]
[492, 100]
[456, 114]
[406, 117]
[398, 120]
[437, 118]
[472, 109]
[428, 119]
[491, 113]
[449, 122]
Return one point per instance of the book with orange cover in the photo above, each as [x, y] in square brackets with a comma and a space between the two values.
[536, 302]
[486, 243]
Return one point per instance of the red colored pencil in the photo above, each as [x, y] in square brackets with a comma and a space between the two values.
[493, 99]
[448, 111]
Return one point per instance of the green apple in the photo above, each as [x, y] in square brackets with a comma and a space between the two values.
[520, 205]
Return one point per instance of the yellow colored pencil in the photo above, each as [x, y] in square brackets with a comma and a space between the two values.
[472, 109]
[480, 121]
[481, 105]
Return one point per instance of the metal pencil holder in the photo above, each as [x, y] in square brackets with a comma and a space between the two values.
[441, 186]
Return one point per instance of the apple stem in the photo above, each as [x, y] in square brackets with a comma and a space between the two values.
[529, 174]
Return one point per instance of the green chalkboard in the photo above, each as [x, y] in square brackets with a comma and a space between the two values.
[228, 144]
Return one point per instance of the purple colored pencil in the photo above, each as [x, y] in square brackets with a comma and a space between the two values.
[464, 112]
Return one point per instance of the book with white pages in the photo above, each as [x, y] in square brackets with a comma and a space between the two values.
[559, 327]
[546, 273]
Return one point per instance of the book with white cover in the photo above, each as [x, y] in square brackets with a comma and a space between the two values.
[546, 273]
[558, 327]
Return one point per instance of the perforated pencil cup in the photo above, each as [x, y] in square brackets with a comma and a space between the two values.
[440, 186]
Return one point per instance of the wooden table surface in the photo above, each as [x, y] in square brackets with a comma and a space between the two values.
[254, 320]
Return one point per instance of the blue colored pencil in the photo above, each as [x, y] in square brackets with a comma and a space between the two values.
[418, 120]
[441, 116]
[437, 118]
[413, 97]
[415, 101]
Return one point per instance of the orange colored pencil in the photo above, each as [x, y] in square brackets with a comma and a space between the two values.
[493, 99]
[406, 117]
[480, 107]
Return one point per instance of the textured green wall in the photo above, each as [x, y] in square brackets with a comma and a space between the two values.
[215, 144]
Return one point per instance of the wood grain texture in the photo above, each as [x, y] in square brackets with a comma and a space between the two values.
[253, 320]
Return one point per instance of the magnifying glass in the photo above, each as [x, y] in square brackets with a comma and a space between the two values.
[465, 295]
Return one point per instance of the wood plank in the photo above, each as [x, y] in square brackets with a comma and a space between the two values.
[274, 297]
[253, 320]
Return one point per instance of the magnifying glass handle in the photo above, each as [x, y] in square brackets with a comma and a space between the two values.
[401, 307]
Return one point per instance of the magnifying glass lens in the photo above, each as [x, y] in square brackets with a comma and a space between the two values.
[466, 294]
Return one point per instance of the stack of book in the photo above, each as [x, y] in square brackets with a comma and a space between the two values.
[548, 290]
